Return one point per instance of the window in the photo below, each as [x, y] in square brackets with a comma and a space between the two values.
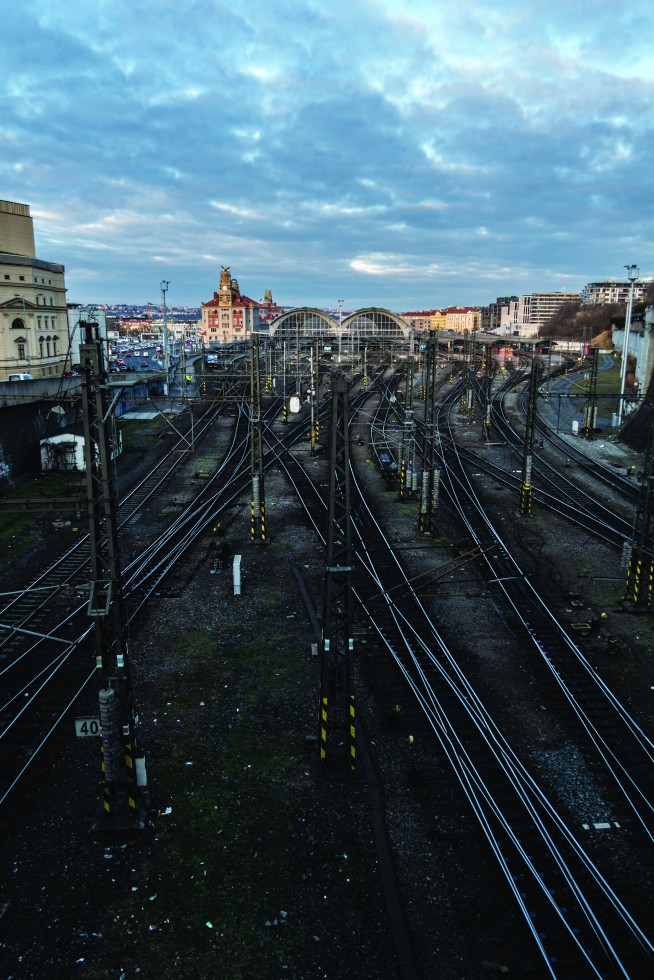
[41, 346]
[7, 277]
[38, 322]
[18, 324]
[54, 345]
[21, 278]
[20, 345]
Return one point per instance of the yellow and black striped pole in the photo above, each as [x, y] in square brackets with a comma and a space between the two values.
[323, 728]
[352, 734]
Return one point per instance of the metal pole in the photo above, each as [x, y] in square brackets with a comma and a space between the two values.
[632, 275]
[526, 488]
[340, 331]
[312, 400]
[125, 800]
[164, 286]
[284, 396]
[337, 723]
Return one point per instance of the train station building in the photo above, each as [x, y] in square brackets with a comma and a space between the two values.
[231, 316]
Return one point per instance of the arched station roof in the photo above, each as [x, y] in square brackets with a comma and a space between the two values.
[310, 322]
[375, 322]
[306, 321]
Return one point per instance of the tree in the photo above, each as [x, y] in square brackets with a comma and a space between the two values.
[575, 321]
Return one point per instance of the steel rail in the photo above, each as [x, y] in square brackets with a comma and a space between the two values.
[598, 879]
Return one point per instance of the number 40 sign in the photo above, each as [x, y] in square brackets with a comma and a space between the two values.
[85, 727]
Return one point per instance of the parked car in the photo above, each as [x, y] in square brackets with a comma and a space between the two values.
[20, 377]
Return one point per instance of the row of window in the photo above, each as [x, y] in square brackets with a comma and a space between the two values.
[19, 324]
[22, 279]
[47, 347]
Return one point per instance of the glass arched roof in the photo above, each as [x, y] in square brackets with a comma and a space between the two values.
[376, 323]
[305, 321]
[310, 322]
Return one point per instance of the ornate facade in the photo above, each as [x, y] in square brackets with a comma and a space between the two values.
[33, 319]
[231, 316]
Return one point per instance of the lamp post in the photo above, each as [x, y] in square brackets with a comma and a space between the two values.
[165, 283]
[632, 275]
[340, 331]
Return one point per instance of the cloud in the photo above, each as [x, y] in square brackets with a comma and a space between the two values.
[410, 155]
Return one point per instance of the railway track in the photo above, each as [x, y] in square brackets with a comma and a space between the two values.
[572, 922]
[578, 924]
[44, 633]
[573, 687]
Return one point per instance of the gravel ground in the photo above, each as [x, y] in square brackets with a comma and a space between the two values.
[255, 866]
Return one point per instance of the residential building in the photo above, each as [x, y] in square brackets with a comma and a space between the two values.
[527, 315]
[456, 318]
[462, 318]
[230, 316]
[421, 321]
[33, 321]
[605, 293]
[492, 314]
[543, 306]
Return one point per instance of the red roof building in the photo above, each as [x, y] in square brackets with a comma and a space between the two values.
[230, 316]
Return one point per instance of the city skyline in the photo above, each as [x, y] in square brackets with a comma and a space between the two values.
[403, 155]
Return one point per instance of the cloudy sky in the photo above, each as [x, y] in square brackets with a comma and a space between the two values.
[396, 153]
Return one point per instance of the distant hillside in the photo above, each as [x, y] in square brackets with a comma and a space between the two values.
[603, 340]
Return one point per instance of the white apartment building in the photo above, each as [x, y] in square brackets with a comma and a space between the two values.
[605, 293]
[525, 316]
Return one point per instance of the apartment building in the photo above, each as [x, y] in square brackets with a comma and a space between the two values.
[457, 318]
[462, 318]
[605, 293]
[525, 315]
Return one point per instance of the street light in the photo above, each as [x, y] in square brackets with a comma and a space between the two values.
[340, 331]
[165, 283]
[632, 275]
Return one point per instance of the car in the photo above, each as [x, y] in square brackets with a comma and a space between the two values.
[71, 374]
[20, 377]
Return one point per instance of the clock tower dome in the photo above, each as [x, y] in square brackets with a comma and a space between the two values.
[225, 288]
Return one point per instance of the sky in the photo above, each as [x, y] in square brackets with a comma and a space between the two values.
[405, 154]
